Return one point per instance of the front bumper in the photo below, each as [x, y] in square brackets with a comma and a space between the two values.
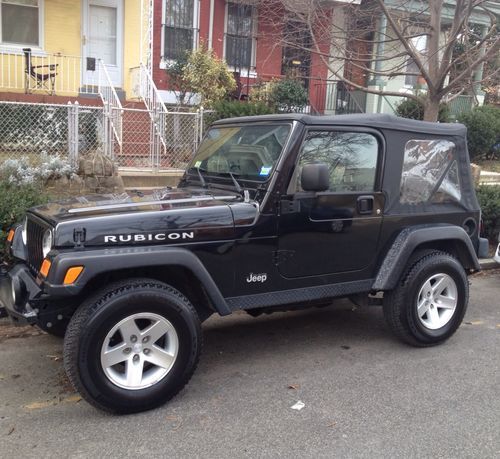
[17, 289]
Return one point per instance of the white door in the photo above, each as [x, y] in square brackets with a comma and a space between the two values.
[103, 39]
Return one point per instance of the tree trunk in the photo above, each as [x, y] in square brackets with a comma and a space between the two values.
[431, 110]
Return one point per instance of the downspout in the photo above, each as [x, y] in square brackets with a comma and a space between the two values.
[211, 24]
[378, 63]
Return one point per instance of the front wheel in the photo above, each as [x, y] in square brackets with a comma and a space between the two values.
[133, 346]
[430, 301]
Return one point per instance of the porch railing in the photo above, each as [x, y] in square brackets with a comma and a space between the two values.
[157, 112]
[18, 72]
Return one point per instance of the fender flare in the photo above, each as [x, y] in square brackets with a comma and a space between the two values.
[410, 239]
[98, 262]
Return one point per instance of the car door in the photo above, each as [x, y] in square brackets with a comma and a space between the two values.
[337, 230]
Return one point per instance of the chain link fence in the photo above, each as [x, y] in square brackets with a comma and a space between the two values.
[34, 130]
[155, 141]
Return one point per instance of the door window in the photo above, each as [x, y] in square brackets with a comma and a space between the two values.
[350, 156]
[102, 31]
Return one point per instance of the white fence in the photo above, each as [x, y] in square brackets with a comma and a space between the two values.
[45, 73]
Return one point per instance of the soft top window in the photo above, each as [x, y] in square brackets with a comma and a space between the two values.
[430, 172]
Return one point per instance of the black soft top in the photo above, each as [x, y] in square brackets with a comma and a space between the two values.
[381, 121]
[411, 176]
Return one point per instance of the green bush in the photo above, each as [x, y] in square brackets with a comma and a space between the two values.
[483, 130]
[489, 200]
[410, 108]
[289, 95]
[235, 108]
[16, 199]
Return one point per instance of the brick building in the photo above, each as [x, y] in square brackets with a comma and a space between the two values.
[239, 32]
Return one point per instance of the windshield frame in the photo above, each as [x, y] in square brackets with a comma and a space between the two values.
[225, 177]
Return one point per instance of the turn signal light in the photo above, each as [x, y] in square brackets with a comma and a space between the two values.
[72, 274]
[45, 268]
[10, 236]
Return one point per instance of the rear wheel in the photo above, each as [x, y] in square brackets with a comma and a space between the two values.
[133, 346]
[430, 301]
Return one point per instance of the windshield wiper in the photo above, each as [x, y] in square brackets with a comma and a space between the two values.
[202, 180]
[236, 184]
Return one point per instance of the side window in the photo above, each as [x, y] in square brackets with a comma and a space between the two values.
[430, 172]
[350, 156]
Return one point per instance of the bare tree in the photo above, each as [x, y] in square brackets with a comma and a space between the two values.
[441, 46]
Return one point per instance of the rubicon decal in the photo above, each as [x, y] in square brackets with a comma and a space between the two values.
[117, 238]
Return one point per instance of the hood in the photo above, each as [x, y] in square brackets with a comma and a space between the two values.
[156, 217]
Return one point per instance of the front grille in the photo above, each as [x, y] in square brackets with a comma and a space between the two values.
[34, 236]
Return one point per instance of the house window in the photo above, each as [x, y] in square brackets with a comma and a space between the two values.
[420, 44]
[178, 27]
[20, 22]
[240, 36]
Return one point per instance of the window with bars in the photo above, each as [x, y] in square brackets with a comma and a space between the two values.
[240, 35]
[178, 28]
[20, 22]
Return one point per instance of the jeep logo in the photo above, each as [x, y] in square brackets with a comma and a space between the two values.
[257, 277]
[149, 237]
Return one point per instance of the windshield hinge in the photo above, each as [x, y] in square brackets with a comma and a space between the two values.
[79, 237]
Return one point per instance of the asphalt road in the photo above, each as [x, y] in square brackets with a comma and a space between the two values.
[365, 394]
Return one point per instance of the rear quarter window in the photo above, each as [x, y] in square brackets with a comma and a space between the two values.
[430, 172]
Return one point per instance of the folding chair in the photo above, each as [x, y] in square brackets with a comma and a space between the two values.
[44, 79]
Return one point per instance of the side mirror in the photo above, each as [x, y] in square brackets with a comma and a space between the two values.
[315, 177]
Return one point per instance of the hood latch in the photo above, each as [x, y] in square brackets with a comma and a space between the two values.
[79, 237]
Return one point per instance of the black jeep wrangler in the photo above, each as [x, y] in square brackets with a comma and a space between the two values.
[273, 212]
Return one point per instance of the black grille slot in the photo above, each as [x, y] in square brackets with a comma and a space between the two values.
[34, 233]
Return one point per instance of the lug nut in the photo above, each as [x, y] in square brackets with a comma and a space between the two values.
[127, 350]
[133, 338]
[146, 351]
[136, 357]
[145, 339]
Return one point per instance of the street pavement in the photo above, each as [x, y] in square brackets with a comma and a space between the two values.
[366, 395]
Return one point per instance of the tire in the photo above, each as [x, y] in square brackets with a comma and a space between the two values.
[132, 307]
[433, 283]
[56, 329]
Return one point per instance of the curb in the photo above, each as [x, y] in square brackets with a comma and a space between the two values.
[488, 263]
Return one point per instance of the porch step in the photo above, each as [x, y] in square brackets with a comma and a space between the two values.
[143, 179]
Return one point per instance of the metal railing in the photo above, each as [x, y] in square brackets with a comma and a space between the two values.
[157, 111]
[26, 73]
[113, 112]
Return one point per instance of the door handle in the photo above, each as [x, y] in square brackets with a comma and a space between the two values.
[365, 205]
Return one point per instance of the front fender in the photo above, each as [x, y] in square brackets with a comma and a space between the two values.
[97, 262]
[410, 239]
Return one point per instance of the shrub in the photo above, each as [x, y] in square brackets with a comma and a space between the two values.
[16, 199]
[23, 172]
[483, 130]
[235, 108]
[203, 74]
[413, 109]
[287, 95]
[489, 200]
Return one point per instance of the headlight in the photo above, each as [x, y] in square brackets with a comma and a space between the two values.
[47, 242]
[24, 233]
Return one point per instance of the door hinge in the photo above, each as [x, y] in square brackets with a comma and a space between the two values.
[79, 236]
[280, 256]
[289, 206]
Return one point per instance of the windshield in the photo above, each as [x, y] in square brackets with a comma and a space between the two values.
[248, 152]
